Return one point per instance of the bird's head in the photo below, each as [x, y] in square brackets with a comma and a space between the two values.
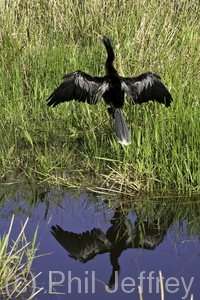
[109, 62]
[102, 37]
[105, 40]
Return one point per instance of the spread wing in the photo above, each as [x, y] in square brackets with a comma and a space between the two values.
[84, 246]
[146, 87]
[79, 86]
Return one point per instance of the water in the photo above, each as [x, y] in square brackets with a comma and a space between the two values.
[133, 243]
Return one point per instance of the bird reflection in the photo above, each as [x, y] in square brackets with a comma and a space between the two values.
[122, 235]
[84, 246]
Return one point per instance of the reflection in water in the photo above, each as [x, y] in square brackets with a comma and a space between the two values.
[142, 222]
[121, 235]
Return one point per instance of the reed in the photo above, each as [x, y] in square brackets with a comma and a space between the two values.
[15, 273]
[41, 41]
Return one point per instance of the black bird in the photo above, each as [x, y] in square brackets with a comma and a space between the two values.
[119, 237]
[85, 88]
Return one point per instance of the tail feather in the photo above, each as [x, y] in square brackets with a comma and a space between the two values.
[121, 128]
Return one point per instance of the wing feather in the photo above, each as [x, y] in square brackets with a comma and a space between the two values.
[146, 87]
[79, 86]
[84, 246]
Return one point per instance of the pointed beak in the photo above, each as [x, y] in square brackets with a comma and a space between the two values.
[99, 35]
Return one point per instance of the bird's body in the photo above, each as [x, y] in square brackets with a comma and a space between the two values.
[114, 96]
[111, 87]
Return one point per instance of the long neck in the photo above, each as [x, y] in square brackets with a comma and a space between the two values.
[111, 56]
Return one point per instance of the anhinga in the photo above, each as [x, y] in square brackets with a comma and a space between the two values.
[85, 88]
[146, 234]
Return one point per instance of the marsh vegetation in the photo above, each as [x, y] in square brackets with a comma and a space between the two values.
[16, 258]
[74, 144]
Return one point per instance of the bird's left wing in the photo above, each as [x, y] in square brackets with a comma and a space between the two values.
[79, 86]
[83, 246]
[146, 87]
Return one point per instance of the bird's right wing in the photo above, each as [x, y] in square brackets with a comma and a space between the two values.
[79, 86]
[146, 87]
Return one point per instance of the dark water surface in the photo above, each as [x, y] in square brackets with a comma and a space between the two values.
[122, 248]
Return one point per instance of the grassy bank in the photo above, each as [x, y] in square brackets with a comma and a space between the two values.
[41, 41]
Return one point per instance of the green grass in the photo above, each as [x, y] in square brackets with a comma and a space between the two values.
[75, 143]
[15, 263]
